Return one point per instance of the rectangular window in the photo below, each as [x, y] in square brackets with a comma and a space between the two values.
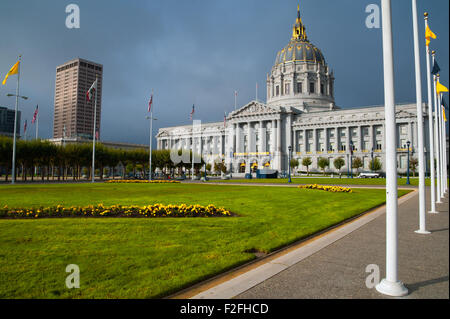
[277, 90]
[321, 89]
[286, 88]
[312, 87]
[300, 87]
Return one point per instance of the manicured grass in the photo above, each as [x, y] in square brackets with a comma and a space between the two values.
[148, 258]
[326, 181]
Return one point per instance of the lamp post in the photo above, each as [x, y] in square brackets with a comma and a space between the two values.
[351, 154]
[13, 176]
[151, 138]
[408, 143]
[289, 163]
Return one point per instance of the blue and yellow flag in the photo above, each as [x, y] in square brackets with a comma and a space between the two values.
[14, 70]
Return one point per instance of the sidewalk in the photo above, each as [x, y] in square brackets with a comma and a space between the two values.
[336, 269]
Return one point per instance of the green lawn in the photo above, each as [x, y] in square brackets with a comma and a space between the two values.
[327, 181]
[149, 258]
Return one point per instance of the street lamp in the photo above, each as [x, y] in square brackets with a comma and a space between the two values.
[151, 138]
[408, 143]
[351, 154]
[13, 176]
[289, 162]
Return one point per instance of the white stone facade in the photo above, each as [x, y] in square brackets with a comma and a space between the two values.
[300, 112]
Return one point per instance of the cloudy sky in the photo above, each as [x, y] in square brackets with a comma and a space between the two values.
[200, 51]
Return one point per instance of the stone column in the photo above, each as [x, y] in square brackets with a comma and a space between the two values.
[249, 138]
[348, 139]
[273, 138]
[262, 138]
[279, 135]
[238, 138]
[315, 141]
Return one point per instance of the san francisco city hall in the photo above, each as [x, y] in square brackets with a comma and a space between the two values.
[300, 112]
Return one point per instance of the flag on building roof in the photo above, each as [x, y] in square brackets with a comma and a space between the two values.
[440, 88]
[91, 91]
[35, 114]
[13, 70]
[150, 103]
[429, 34]
[436, 68]
[193, 110]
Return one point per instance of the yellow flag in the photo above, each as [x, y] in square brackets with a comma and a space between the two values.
[429, 34]
[443, 112]
[14, 70]
[440, 88]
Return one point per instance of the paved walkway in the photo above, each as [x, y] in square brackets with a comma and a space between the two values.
[333, 266]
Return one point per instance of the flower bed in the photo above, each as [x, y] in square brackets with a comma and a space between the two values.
[333, 189]
[156, 210]
[140, 181]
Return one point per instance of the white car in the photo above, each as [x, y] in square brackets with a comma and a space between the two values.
[368, 175]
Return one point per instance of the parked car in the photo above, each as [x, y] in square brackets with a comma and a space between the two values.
[369, 175]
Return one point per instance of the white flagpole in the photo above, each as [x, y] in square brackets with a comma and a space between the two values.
[151, 138]
[256, 91]
[390, 285]
[444, 137]
[436, 139]
[13, 177]
[37, 125]
[430, 127]
[441, 145]
[422, 204]
[235, 100]
[444, 151]
[94, 134]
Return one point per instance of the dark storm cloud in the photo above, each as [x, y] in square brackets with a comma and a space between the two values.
[199, 52]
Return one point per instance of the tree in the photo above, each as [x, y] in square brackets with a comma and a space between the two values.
[375, 165]
[294, 163]
[208, 167]
[220, 167]
[357, 163]
[323, 163]
[306, 162]
[339, 163]
[413, 163]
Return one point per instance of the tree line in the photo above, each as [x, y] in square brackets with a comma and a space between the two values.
[42, 159]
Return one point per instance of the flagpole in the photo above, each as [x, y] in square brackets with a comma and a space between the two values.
[235, 100]
[37, 125]
[256, 91]
[192, 150]
[441, 127]
[422, 204]
[390, 285]
[444, 152]
[436, 139]
[430, 128]
[13, 177]
[94, 134]
[151, 138]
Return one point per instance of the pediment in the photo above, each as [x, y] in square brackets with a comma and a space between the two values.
[254, 108]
